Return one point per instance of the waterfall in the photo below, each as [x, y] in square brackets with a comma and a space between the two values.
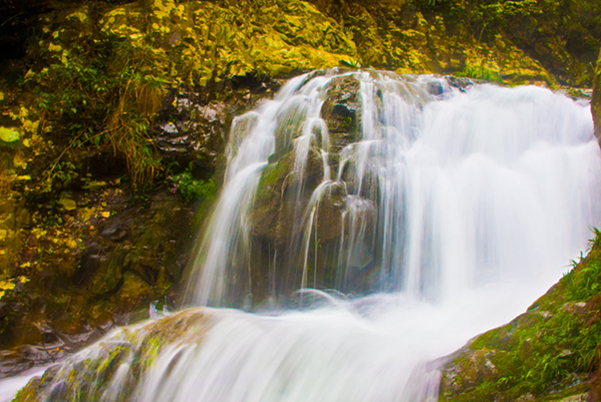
[373, 223]
[436, 193]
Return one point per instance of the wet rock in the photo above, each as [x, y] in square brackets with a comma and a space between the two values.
[11, 363]
[330, 214]
[276, 199]
[435, 88]
[90, 373]
[290, 122]
[596, 101]
[474, 367]
[341, 111]
[459, 82]
[58, 392]
[116, 231]
[190, 130]
[90, 262]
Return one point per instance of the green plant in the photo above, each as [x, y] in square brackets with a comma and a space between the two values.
[189, 188]
[481, 73]
[350, 63]
[96, 92]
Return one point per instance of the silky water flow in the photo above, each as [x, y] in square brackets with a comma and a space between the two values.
[457, 206]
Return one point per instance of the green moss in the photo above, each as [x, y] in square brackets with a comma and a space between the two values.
[272, 178]
[547, 352]
[87, 377]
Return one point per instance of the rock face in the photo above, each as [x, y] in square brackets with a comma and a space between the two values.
[112, 257]
[549, 353]
[596, 101]
[282, 231]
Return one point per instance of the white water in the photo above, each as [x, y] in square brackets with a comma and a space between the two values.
[11, 385]
[483, 198]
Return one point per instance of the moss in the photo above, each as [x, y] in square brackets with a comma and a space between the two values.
[548, 352]
[88, 375]
[268, 199]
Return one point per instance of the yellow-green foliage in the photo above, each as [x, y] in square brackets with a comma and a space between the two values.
[100, 80]
[10, 284]
[421, 42]
[99, 74]
[560, 35]
[194, 42]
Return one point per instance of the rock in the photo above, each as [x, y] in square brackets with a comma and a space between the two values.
[435, 88]
[116, 231]
[341, 224]
[91, 372]
[541, 354]
[596, 101]
[188, 130]
[340, 112]
[11, 363]
[289, 122]
[275, 202]
[472, 368]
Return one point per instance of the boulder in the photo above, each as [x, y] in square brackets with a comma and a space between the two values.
[341, 112]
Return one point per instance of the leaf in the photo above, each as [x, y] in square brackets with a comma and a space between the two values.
[67, 203]
[9, 134]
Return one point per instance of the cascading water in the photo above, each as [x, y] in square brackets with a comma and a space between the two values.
[429, 194]
[436, 211]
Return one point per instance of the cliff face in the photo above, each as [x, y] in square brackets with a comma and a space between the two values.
[596, 101]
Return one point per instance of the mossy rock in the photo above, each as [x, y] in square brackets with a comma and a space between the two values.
[548, 353]
[275, 202]
[596, 101]
[289, 124]
[341, 111]
[330, 216]
[90, 373]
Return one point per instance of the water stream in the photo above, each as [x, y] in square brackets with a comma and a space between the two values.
[452, 208]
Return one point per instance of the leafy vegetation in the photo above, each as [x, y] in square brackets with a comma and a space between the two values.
[481, 73]
[189, 188]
